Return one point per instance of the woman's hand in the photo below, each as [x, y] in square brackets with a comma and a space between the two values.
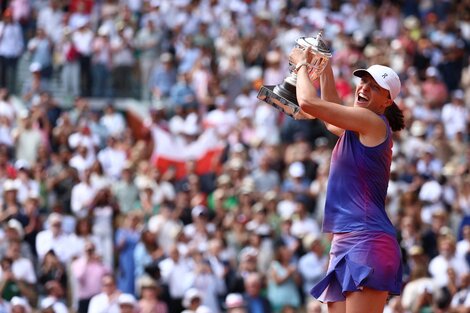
[298, 55]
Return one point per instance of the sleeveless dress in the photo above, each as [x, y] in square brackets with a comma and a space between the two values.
[364, 252]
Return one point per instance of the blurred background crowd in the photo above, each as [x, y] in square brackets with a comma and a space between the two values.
[90, 223]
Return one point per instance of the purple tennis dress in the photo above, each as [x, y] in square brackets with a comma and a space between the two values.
[364, 252]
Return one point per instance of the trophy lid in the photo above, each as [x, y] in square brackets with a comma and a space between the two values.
[316, 43]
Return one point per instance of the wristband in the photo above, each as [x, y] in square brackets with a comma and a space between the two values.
[298, 66]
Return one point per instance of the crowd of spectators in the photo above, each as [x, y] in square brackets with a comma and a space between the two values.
[88, 223]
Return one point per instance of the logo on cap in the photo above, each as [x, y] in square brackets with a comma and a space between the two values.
[384, 75]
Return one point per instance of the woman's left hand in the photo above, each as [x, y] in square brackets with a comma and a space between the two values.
[298, 55]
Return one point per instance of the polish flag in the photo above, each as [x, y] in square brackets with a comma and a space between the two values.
[172, 152]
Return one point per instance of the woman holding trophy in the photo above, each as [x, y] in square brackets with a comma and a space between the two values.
[365, 261]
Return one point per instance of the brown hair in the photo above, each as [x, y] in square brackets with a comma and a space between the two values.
[395, 117]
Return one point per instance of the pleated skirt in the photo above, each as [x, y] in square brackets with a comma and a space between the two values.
[358, 260]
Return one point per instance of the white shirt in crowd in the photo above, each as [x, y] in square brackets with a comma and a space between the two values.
[114, 123]
[45, 241]
[22, 269]
[112, 160]
[178, 275]
[82, 195]
[455, 119]
[101, 303]
[83, 41]
[11, 43]
[439, 265]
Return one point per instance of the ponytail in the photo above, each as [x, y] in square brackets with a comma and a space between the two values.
[395, 117]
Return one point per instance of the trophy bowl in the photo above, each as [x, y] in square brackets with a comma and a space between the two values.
[283, 96]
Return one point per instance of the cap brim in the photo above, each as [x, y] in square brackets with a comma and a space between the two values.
[361, 72]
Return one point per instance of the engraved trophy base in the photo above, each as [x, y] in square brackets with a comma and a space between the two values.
[283, 98]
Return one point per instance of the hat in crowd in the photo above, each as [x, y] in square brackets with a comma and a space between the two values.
[199, 210]
[309, 239]
[10, 185]
[450, 169]
[234, 300]
[432, 72]
[22, 164]
[166, 57]
[411, 22]
[384, 76]
[82, 21]
[270, 195]
[16, 225]
[297, 169]
[54, 218]
[416, 250]
[190, 295]
[236, 164]
[146, 282]
[223, 179]
[20, 301]
[458, 94]
[248, 253]
[439, 213]
[126, 299]
[104, 30]
[418, 128]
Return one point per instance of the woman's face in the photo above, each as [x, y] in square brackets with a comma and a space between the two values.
[284, 253]
[84, 227]
[370, 95]
[149, 293]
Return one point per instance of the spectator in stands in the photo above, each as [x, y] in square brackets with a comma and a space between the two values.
[312, 265]
[127, 303]
[162, 78]
[40, 48]
[283, 279]
[434, 90]
[20, 305]
[255, 301]
[447, 268]
[90, 273]
[53, 272]
[148, 42]
[455, 116]
[54, 298]
[82, 38]
[11, 49]
[18, 276]
[108, 299]
[150, 296]
[126, 239]
[55, 239]
[102, 62]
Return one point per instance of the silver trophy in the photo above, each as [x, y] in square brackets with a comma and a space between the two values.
[283, 96]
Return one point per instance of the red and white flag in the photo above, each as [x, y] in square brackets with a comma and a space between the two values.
[171, 152]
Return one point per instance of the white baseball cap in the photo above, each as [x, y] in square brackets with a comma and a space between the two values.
[126, 299]
[384, 76]
[234, 300]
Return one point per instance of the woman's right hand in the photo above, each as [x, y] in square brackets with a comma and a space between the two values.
[298, 55]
